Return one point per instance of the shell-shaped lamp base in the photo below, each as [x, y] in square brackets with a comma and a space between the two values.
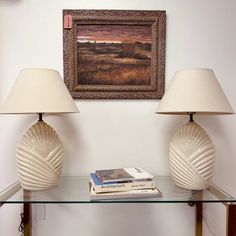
[192, 157]
[40, 157]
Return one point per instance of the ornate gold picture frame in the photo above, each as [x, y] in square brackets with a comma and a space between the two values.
[114, 54]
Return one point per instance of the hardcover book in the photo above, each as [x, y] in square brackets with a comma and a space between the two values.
[122, 174]
[136, 193]
[115, 186]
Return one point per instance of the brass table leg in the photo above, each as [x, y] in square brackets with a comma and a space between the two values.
[198, 219]
[27, 219]
[231, 219]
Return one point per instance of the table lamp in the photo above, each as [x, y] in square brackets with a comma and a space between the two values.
[192, 153]
[40, 154]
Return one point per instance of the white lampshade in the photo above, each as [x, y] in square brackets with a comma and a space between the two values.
[192, 153]
[194, 90]
[39, 91]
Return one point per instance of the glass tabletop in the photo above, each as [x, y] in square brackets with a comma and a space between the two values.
[76, 190]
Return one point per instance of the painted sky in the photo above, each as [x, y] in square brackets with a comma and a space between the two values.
[114, 33]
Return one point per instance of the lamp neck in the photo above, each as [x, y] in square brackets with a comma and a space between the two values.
[191, 116]
[40, 117]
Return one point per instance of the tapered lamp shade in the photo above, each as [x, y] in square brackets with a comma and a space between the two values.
[40, 153]
[39, 91]
[192, 153]
[195, 90]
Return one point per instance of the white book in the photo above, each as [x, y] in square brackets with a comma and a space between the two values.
[122, 174]
[115, 186]
[136, 193]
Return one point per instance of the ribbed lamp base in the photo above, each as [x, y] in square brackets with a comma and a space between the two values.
[192, 157]
[40, 157]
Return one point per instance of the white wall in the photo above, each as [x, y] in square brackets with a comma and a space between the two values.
[115, 133]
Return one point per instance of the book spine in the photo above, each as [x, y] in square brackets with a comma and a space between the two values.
[136, 193]
[123, 186]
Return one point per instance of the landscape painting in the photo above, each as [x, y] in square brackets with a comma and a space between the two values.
[114, 54]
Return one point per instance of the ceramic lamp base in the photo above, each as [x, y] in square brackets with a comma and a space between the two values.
[40, 157]
[192, 157]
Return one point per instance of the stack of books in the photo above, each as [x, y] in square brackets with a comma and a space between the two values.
[122, 183]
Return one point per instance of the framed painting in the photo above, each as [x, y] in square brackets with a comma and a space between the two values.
[114, 54]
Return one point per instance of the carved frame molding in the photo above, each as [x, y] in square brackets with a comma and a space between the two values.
[156, 19]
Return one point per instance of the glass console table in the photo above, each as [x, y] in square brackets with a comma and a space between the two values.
[75, 190]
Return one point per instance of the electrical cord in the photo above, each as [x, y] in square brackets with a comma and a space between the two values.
[21, 226]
